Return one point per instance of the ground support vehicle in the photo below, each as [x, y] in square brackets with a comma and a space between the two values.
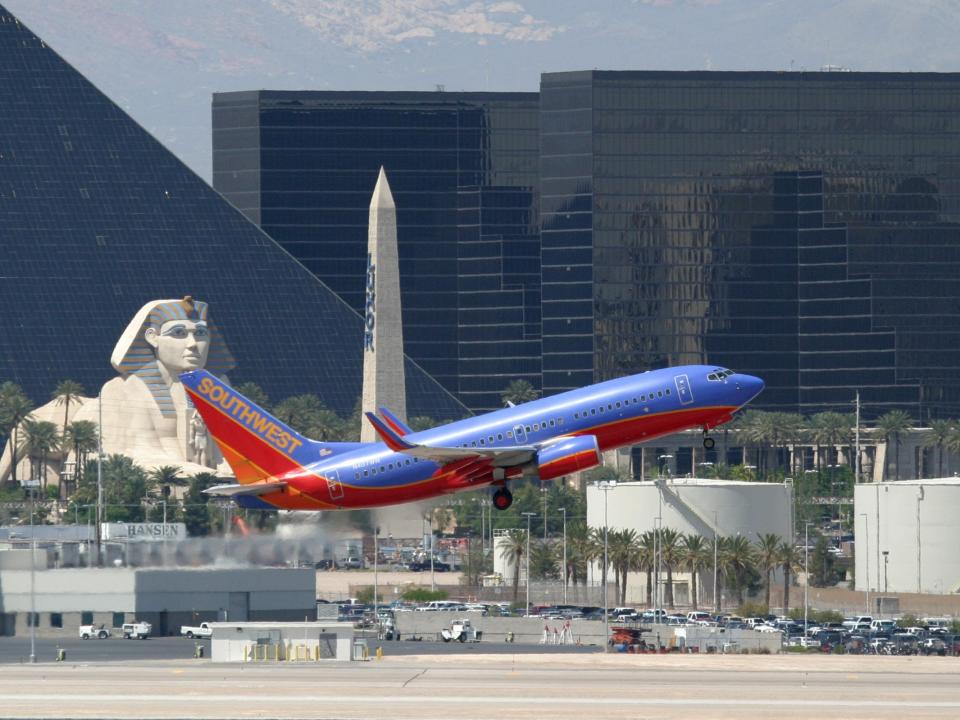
[94, 631]
[461, 631]
[138, 630]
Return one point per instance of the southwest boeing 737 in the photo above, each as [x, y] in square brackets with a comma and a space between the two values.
[278, 468]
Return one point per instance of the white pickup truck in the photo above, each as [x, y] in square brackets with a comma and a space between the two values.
[202, 630]
[94, 631]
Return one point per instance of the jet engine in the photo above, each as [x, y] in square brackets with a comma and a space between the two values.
[567, 455]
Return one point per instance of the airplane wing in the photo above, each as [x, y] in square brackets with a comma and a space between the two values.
[234, 489]
[498, 456]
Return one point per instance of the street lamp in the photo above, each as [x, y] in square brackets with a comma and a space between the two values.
[31, 486]
[606, 486]
[528, 515]
[376, 575]
[543, 491]
[716, 547]
[564, 511]
[866, 555]
[886, 559]
[806, 573]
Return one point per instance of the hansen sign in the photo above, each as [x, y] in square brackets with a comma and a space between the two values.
[144, 531]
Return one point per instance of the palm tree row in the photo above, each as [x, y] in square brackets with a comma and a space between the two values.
[740, 564]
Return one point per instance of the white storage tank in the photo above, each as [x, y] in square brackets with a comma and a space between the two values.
[695, 506]
[906, 536]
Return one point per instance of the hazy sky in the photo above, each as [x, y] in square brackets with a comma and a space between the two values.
[161, 59]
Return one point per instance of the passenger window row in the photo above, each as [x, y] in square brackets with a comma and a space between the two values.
[617, 405]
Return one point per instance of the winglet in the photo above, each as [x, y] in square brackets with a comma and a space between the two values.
[398, 425]
[387, 434]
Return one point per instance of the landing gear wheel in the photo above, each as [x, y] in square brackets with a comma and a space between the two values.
[709, 443]
[502, 499]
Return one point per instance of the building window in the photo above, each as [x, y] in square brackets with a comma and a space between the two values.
[86, 618]
[118, 620]
[33, 619]
[56, 620]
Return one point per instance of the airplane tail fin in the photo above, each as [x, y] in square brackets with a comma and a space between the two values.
[398, 425]
[257, 445]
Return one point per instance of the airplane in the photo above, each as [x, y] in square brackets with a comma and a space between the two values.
[278, 468]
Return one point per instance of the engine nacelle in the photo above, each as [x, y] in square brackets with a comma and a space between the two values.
[568, 455]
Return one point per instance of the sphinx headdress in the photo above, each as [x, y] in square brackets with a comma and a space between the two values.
[133, 355]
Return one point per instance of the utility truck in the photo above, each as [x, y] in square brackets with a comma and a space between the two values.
[203, 630]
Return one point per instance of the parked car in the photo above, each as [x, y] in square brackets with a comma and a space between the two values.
[138, 630]
[859, 622]
[351, 563]
[94, 631]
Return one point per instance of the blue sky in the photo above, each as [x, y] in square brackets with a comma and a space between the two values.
[162, 59]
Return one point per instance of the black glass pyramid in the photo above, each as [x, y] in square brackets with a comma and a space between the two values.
[97, 218]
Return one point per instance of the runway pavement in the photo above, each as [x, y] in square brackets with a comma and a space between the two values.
[488, 686]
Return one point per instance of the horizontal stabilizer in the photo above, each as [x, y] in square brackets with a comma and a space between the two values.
[235, 490]
[509, 456]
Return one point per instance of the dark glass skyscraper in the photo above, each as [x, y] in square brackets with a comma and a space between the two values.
[463, 168]
[96, 218]
[799, 226]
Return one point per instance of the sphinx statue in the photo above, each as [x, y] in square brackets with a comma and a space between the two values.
[146, 415]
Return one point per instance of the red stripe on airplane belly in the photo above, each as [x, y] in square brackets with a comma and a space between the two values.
[648, 427]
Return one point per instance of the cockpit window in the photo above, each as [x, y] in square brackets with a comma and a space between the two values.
[719, 374]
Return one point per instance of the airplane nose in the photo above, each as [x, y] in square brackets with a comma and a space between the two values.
[750, 384]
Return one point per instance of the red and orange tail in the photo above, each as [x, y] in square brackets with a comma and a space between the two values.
[256, 444]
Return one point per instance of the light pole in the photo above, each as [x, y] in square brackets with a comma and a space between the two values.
[806, 573]
[866, 555]
[376, 573]
[428, 520]
[99, 527]
[564, 511]
[543, 491]
[31, 485]
[716, 546]
[886, 559]
[528, 515]
[605, 486]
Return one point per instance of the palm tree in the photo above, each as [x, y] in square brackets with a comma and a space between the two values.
[645, 561]
[66, 392]
[581, 551]
[81, 437]
[829, 429]
[768, 560]
[543, 559]
[893, 424]
[519, 391]
[939, 436]
[670, 554]
[623, 553]
[736, 559]
[160, 479]
[696, 554]
[15, 407]
[513, 546]
[40, 438]
[789, 558]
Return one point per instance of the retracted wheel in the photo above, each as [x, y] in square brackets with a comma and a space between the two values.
[502, 499]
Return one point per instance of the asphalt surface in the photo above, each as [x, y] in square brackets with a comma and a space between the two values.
[481, 687]
[17, 650]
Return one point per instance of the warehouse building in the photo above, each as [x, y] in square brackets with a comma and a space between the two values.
[65, 599]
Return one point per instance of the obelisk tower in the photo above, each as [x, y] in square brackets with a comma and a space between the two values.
[384, 383]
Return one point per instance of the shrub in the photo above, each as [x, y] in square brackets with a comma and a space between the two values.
[908, 620]
[423, 595]
[365, 595]
[752, 609]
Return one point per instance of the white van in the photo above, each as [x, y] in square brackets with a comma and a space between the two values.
[935, 622]
[435, 605]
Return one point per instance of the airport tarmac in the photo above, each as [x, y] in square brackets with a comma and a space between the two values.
[495, 686]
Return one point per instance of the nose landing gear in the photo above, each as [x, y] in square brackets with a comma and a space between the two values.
[502, 499]
[708, 442]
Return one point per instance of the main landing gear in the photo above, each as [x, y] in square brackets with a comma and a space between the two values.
[502, 499]
[708, 442]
